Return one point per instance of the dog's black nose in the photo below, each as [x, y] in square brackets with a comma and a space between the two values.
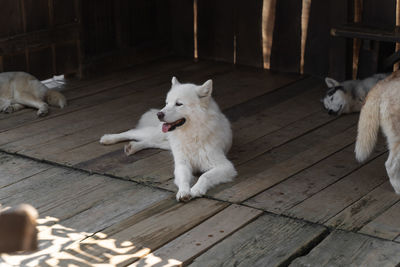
[160, 115]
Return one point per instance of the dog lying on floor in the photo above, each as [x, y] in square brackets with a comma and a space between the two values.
[348, 96]
[193, 127]
[382, 109]
[20, 89]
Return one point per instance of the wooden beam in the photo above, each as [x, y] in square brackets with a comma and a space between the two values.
[18, 229]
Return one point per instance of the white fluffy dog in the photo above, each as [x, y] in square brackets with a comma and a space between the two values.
[193, 127]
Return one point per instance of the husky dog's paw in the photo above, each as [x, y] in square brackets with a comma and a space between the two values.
[196, 191]
[129, 149]
[106, 139]
[183, 196]
[8, 109]
[43, 110]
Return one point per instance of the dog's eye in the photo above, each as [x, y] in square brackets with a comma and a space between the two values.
[178, 104]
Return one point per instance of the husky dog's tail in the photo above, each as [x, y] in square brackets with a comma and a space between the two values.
[55, 98]
[368, 125]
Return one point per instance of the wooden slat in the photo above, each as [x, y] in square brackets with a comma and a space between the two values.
[182, 32]
[366, 209]
[138, 235]
[285, 54]
[271, 168]
[248, 32]
[323, 55]
[216, 28]
[268, 241]
[386, 225]
[332, 200]
[299, 187]
[14, 169]
[349, 249]
[10, 19]
[183, 249]
[67, 220]
[386, 17]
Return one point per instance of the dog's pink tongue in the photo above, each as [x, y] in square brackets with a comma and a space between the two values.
[165, 127]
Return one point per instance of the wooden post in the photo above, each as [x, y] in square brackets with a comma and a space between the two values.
[268, 21]
[305, 15]
[18, 229]
[356, 42]
[396, 66]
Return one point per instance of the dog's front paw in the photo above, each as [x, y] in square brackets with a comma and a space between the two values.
[42, 112]
[129, 149]
[196, 191]
[106, 139]
[183, 196]
[8, 109]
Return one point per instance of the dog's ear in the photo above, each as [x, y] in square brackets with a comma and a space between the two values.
[331, 82]
[205, 89]
[175, 81]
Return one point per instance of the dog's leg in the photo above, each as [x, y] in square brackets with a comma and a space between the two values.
[16, 107]
[34, 102]
[109, 139]
[135, 146]
[392, 165]
[222, 173]
[183, 177]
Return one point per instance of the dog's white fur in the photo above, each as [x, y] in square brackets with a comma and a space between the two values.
[199, 145]
[382, 109]
[20, 89]
[348, 96]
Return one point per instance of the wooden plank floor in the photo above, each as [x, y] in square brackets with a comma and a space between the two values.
[300, 197]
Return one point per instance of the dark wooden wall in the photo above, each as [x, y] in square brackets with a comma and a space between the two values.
[40, 36]
[47, 37]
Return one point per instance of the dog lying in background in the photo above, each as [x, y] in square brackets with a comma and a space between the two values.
[382, 109]
[348, 96]
[193, 127]
[20, 89]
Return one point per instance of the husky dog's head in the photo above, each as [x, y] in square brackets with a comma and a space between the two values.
[335, 100]
[183, 103]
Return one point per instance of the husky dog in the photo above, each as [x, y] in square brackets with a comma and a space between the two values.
[382, 109]
[193, 127]
[20, 89]
[348, 96]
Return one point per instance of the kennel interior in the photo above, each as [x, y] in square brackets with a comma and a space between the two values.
[300, 197]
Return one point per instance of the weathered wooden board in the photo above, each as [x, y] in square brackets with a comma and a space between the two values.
[183, 249]
[14, 169]
[366, 209]
[333, 199]
[279, 164]
[309, 182]
[73, 207]
[350, 249]
[137, 236]
[268, 241]
[386, 225]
